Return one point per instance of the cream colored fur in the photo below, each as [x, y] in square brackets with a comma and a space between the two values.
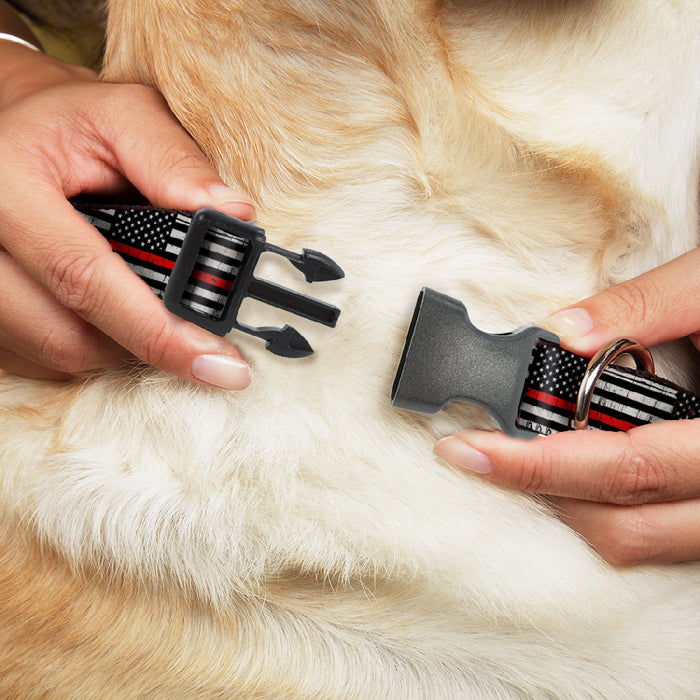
[299, 539]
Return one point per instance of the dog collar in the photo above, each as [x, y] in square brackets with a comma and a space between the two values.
[201, 264]
[526, 381]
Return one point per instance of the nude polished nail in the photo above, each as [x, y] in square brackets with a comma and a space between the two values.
[222, 371]
[570, 324]
[460, 454]
[233, 202]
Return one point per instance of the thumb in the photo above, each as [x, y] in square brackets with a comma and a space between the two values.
[157, 155]
[659, 305]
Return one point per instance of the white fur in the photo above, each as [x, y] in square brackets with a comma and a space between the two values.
[421, 581]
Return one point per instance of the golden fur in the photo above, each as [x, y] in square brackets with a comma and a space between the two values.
[299, 539]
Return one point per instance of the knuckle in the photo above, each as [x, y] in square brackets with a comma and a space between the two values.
[177, 164]
[636, 476]
[638, 302]
[532, 471]
[157, 341]
[62, 351]
[181, 161]
[629, 301]
[73, 281]
[630, 538]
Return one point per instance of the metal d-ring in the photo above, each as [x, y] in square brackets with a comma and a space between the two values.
[606, 355]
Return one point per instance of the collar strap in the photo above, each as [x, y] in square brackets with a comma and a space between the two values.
[622, 397]
[526, 381]
[201, 264]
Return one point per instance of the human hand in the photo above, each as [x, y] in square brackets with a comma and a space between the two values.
[68, 305]
[634, 496]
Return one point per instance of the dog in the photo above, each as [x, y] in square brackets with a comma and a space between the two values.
[299, 539]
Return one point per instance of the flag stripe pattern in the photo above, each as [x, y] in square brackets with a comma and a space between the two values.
[150, 239]
[623, 398]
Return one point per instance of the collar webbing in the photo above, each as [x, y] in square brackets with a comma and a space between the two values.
[201, 264]
[622, 399]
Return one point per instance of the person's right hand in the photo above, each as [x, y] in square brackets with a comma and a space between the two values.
[68, 305]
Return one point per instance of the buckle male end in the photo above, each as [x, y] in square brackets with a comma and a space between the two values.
[446, 358]
[248, 243]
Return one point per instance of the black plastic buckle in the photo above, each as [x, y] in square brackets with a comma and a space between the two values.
[204, 221]
[250, 241]
[446, 358]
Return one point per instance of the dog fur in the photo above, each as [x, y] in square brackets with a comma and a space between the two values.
[298, 539]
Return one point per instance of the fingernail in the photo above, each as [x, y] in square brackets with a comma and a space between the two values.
[232, 201]
[570, 324]
[462, 455]
[221, 371]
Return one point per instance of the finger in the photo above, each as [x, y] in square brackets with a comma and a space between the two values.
[651, 463]
[632, 535]
[75, 264]
[34, 326]
[160, 158]
[16, 364]
[658, 306]
[106, 134]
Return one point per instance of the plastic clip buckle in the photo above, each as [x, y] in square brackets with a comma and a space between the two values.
[249, 243]
[203, 221]
[446, 358]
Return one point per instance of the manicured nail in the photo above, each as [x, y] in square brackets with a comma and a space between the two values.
[232, 201]
[221, 371]
[570, 324]
[462, 455]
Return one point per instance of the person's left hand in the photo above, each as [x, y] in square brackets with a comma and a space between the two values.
[634, 496]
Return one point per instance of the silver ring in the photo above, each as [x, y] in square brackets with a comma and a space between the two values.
[622, 346]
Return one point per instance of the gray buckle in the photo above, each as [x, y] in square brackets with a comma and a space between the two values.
[446, 358]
